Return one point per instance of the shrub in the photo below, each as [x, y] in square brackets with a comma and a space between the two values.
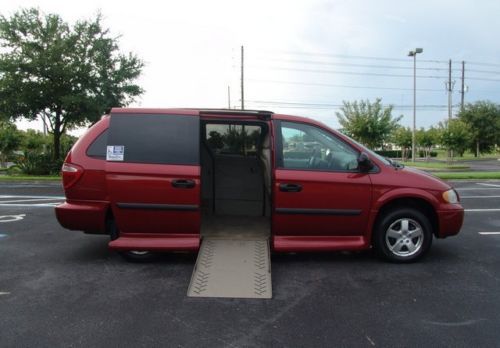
[389, 153]
[36, 163]
[421, 153]
[397, 153]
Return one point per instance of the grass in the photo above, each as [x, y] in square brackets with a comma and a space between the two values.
[30, 178]
[468, 156]
[481, 158]
[435, 165]
[467, 175]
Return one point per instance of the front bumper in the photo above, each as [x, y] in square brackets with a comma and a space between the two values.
[450, 219]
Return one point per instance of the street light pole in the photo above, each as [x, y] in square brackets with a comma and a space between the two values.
[414, 55]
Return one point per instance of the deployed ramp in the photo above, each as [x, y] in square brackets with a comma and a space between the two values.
[237, 268]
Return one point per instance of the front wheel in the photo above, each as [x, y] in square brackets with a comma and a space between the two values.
[403, 235]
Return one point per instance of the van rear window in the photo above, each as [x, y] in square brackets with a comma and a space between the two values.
[163, 139]
[98, 147]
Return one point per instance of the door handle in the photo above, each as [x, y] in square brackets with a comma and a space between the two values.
[290, 187]
[183, 183]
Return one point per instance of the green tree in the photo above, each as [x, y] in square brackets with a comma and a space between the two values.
[233, 138]
[369, 123]
[35, 141]
[402, 137]
[427, 139]
[483, 118]
[215, 140]
[69, 74]
[455, 136]
[10, 140]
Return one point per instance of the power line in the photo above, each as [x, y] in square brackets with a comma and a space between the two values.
[356, 57]
[376, 58]
[370, 73]
[344, 86]
[485, 64]
[286, 103]
[374, 66]
[484, 71]
[482, 79]
[267, 106]
[350, 72]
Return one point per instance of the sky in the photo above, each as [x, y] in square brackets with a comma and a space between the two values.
[302, 57]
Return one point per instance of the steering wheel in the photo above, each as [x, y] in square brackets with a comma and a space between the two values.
[314, 160]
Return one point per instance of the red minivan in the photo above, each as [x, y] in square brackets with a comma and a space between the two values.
[163, 179]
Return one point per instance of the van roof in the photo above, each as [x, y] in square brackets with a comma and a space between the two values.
[188, 111]
[261, 114]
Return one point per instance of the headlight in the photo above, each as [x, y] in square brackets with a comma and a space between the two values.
[450, 196]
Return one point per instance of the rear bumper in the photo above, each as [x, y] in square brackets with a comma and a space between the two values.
[451, 218]
[89, 217]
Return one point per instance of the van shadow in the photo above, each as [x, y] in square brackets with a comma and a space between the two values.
[438, 253]
[97, 250]
[326, 256]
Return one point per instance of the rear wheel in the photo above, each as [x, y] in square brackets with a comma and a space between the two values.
[403, 235]
[130, 255]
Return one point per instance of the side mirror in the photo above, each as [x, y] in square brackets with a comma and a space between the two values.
[364, 162]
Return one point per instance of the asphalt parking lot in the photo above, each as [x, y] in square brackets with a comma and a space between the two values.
[64, 288]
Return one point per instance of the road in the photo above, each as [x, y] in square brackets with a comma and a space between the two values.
[486, 165]
[64, 288]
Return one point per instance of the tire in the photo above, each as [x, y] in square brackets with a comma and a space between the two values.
[403, 235]
[130, 255]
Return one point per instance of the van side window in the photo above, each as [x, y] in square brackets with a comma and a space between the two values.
[309, 147]
[156, 139]
[233, 139]
[98, 147]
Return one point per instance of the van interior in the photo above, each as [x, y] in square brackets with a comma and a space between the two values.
[235, 179]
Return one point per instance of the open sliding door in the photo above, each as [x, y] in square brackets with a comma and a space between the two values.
[153, 179]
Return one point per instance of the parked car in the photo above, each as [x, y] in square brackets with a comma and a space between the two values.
[159, 180]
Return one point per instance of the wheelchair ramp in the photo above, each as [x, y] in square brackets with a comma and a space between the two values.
[233, 268]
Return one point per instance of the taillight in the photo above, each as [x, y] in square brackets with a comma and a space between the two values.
[71, 173]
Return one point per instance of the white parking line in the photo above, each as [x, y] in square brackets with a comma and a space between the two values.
[479, 197]
[28, 196]
[31, 200]
[36, 205]
[11, 218]
[488, 233]
[476, 188]
[485, 184]
[478, 210]
[4, 293]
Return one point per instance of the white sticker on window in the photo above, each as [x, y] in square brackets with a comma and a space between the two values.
[115, 153]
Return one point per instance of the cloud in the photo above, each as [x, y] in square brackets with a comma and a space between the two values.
[192, 49]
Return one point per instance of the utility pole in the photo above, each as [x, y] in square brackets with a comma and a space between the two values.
[450, 89]
[462, 90]
[242, 82]
[414, 129]
[413, 140]
[228, 97]
[44, 124]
